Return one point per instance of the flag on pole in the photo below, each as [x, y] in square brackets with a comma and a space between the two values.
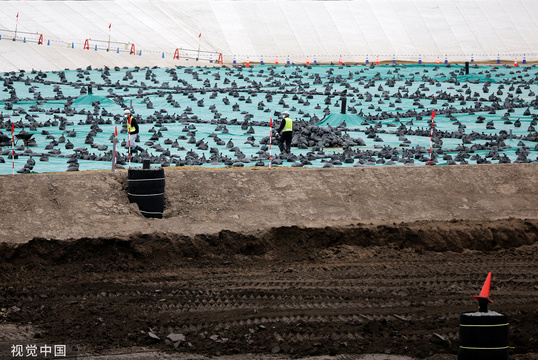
[129, 136]
[114, 147]
[16, 26]
[199, 45]
[13, 146]
[431, 137]
[270, 139]
[109, 32]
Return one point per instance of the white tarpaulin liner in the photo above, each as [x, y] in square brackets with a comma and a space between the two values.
[315, 31]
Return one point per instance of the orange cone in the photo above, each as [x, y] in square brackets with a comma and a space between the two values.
[515, 62]
[307, 60]
[276, 61]
[340, 62]
[377, 60]
[484, 294]
[437, 60]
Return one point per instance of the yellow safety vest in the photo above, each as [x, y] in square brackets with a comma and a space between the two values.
[129, 126]
[289, 125]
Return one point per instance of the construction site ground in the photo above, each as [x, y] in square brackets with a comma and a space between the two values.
[332, 268]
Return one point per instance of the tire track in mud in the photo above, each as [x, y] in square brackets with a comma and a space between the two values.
[297, 301]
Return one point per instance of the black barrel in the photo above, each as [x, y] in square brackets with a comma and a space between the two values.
[343, 109]
[146, 188]
[483, 336]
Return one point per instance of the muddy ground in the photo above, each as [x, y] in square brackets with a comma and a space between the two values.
[287, 292]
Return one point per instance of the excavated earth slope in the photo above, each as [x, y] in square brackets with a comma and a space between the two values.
[74, 205]
[287, 263]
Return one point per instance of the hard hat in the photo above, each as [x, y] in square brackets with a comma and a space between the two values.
[285, 113]
[127, 112]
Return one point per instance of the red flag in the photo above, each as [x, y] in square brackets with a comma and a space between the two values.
[433, 114]
[199, 36]
[109, 26]
[271, 122]
[12, 128]
[116, 131]
[17, 15]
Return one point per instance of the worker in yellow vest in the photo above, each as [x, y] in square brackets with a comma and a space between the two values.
[133, 130]
[285, 130]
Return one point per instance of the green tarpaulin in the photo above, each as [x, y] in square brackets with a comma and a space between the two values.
[90, 99]
[351, 121]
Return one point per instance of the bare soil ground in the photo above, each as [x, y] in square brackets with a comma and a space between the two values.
[291, 292]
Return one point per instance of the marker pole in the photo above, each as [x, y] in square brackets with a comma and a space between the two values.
[109, 31]
[129, 118]
[270, 138]
[114, 161]
[129, 137]
[115, 150]
[13, 144]
[199, 45]
[16, 26]
[431, 138]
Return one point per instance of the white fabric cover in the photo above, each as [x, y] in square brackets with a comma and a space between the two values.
[315, 31]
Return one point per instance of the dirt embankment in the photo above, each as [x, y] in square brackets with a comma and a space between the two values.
[71, 206]
[288, 243]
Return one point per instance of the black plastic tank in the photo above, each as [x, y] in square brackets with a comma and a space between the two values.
[146, 188]
[483, 336]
